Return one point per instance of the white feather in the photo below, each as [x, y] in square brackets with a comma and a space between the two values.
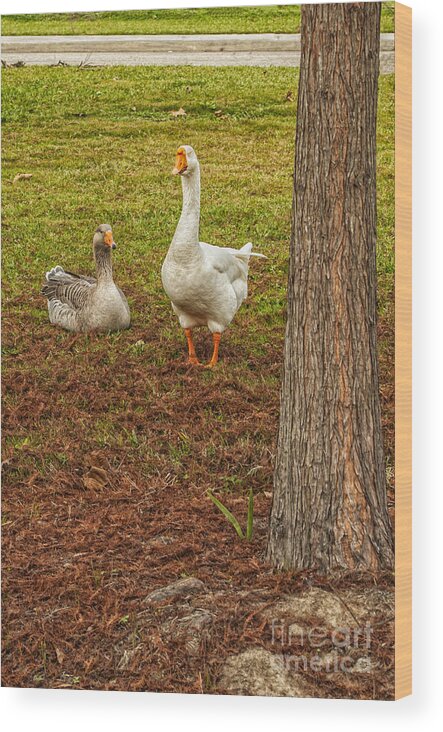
[206, 283]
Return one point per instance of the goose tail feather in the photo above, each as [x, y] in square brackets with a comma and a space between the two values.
[54, 273]
[246, 251]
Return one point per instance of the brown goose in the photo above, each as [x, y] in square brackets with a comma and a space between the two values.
[82, 304]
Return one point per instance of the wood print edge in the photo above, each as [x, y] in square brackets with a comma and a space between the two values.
[403, 350]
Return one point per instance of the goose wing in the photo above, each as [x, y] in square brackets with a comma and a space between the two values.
[231, 263]
[124, 300]
[226, 261]
[68, 288]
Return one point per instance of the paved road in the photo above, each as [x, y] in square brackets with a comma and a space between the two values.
[264, 49]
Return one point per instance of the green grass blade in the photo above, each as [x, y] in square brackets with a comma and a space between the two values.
[227, 514]
[249, 527]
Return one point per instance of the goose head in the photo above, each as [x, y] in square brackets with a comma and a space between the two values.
[103, 239]
[185, 161]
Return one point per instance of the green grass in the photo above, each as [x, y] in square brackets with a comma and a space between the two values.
[100, 144]
[268, 19]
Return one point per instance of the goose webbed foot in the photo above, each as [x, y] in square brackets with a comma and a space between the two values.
[193, 361]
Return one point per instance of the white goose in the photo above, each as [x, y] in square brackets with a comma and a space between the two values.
[206, 284]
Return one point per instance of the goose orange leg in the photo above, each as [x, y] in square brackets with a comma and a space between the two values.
[216, 339]
[192, 356]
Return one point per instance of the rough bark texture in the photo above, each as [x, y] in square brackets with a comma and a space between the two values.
[330, 508]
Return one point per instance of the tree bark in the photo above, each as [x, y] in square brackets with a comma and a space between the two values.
[329, 508]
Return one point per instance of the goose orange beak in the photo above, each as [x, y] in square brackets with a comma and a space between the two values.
[109, 239]
[181, 162]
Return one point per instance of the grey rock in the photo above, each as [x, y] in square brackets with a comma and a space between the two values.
[314, 603]
[351, 609]
[180, 590]
[257, 672]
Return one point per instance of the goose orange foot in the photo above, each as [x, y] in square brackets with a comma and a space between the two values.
[193, 361]
[216, 339]
[192, 356]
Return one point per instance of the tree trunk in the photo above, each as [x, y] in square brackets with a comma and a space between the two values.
[329, 508]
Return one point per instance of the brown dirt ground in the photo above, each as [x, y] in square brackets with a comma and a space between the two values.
[78, 560]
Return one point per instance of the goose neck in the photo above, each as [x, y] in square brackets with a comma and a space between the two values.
[103, 265]
[191, 193]
[187, 232]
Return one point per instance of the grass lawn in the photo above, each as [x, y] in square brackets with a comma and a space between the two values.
[100, 144]
[270, 19]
